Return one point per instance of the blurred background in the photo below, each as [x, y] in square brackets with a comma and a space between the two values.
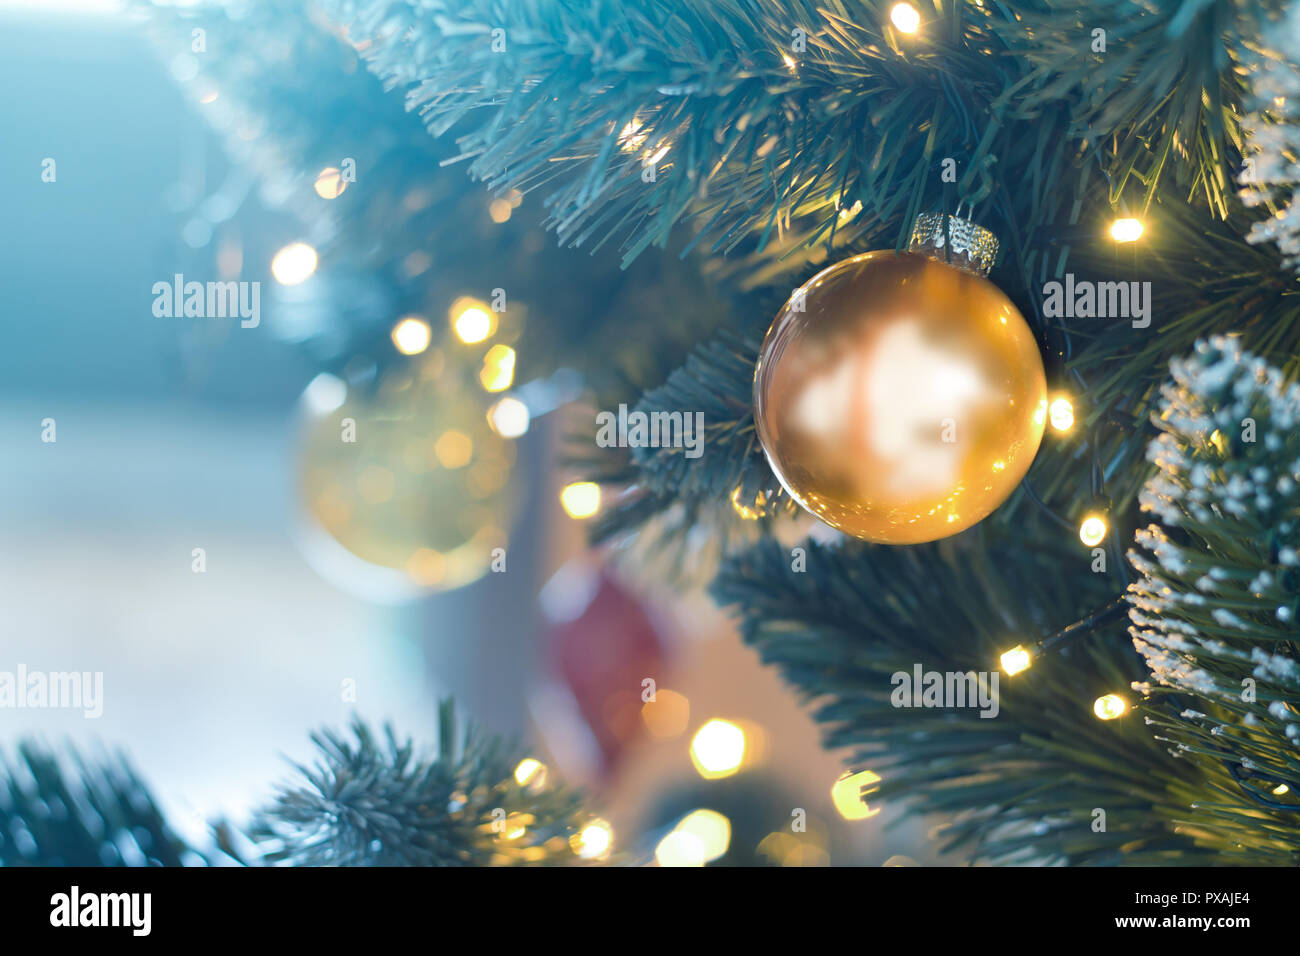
[313, 601]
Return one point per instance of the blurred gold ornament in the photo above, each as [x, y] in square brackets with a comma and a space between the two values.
[412, 478]
[899, 398]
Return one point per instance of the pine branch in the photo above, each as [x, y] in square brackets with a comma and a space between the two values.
[409, 237]
[753, 133]
[67, 810]
[1215, 611]
[371, 801]
[1024, 786]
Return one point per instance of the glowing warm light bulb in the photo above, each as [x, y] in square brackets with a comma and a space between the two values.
[632, 135]
[1061, 414]
[1280, 789]
[1016, 660]
[1109, 707]
[905, 17]
[846, 794]
[1126, 230]
[680, 848]
[412, 336]
[711, 828]
[529, 771]
[1093, 530]
[717, 749]
[294, 264]
[498, 370]
[471, 321]
[594, 840]
[509, 417]
[581, 499]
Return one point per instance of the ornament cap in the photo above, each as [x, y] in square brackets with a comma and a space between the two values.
[973, 248]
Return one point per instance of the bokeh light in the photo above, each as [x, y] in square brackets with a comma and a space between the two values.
[580, 499]
[594, 841]
[294, 264]
[718, 749]
[680, 848]
[330, 183]
[711, 828]
[509, 417]
[471, 320]
[498, 372]
[846, 794]
[412, 335]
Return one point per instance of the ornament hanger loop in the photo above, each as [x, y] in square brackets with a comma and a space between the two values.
[957, 242]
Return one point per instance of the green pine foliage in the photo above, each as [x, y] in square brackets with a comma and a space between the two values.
[764, 139]
[369, 799]
[407, 237]
[372, 801]
[67, 809]
[1214, 610]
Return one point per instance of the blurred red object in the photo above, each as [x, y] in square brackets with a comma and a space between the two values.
[603, 645]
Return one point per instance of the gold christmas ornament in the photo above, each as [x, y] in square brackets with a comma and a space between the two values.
[411, 480]
[901, 398]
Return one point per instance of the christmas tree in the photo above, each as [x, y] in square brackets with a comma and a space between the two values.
[1147, 144]
[1126, 605]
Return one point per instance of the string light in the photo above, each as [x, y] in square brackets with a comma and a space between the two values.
[905, 17]
[1061, 414]
[529, 771]
[594, 840]
[711, 829]
[471, 321]
[581, 499]
[509, 417]
[680, 848]
[294, 264]
[1020, 657]
[846, 794]
[1126, 230]
[411, 336]
[498, 370]
[1109, 707]
[1093, 530]
[718, 749]
[1280, 789]
[1016, 660]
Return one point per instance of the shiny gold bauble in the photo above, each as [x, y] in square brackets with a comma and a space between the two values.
[898, 398]
[410, 478]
